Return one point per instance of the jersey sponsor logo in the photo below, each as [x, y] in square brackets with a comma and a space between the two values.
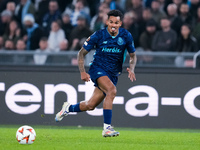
[112, 50]
[120, 41]
[105, 42]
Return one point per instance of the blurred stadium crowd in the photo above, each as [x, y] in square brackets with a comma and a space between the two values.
[63, 25]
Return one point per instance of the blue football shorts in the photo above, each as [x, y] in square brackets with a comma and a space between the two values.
[96, 72]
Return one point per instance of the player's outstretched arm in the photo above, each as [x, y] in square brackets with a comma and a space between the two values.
[132, 62]
[81, 57]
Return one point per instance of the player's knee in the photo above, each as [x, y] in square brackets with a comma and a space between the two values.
[112, 92]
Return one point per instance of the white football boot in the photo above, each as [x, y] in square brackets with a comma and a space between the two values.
[64, 112]
[109, 132]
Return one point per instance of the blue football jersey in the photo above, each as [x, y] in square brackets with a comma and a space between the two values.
[110, 51]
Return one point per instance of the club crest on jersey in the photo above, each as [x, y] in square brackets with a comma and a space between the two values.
[120, 41]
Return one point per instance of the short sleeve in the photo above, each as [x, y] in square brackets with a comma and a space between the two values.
[130, 43]
[90, 43]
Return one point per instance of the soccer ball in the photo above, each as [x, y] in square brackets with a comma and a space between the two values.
[25, 135]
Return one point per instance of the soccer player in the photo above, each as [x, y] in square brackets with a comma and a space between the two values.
[111, 44]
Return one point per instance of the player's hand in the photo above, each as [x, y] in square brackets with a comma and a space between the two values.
[131, 75]
[85, 76]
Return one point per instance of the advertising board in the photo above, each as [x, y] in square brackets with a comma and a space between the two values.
[155, 100]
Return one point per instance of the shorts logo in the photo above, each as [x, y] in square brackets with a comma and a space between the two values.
[99, 73]
[120, 41]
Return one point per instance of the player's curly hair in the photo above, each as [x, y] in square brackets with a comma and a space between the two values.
[115, 13]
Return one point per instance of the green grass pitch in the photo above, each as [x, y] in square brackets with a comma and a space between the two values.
[85, 138]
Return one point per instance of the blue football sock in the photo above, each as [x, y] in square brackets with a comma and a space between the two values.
[74, 108]
[107, 114]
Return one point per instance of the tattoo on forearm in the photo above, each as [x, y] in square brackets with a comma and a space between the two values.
[132, 62]
[81, 56]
